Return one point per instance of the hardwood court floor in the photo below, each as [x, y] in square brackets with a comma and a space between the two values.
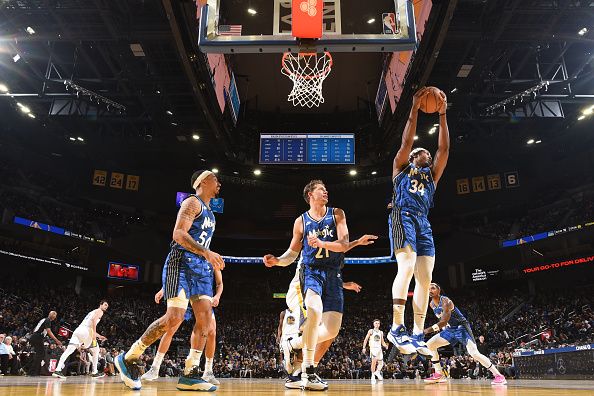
[84, 386]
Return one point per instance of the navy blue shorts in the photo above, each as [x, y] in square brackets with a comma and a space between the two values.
[406, 228]
[327, 283]
[188, 272]
[460, 334]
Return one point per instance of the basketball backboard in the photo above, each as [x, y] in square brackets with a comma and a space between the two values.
[258, 26]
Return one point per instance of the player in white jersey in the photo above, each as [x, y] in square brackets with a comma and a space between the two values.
[376, 341]
[289, 329]
[85, 337]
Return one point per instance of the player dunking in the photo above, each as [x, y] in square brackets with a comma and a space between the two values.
[415, 177]
[85, 336]
[453, 328]
[323, 234]
[187, 275]
[376, 342]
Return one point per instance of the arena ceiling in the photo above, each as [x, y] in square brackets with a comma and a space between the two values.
[143, 55]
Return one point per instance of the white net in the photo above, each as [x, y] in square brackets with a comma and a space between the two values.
[308, 72]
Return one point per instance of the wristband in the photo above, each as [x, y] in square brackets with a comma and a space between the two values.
[435, 327]
[440, 114]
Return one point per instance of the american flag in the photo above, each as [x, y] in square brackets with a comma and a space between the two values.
[230, 30]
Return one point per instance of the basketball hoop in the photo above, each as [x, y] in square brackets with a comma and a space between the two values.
[307, 70]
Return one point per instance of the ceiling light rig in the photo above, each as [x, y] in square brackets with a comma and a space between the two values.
[525, 96]
[95, 97]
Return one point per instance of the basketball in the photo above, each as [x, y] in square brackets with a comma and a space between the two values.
[432, 100]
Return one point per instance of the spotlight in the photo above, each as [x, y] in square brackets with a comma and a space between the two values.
[215, 170]
[16, 58]
[530, 141]
[416, 137]
[538, 141]
[371, 21]
[195, 137]
[257, 172]
[3, 88]
[23, 108]
[251, 11]
[588, 111]
[30, 30]
[454, 90]
[168, 111]
[72, 139]
[583, 31]
[432, 131]
[31, 115]
[374, 173]
[353, 172]
[80, 139]
[581, 117]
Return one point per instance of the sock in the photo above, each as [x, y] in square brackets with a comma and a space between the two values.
[158, 360]
[315, 364]
[494, 370]
[208, 365]
[135, 351]
[398, 315]
[192, 360]
[297, 372]
[437, 367]
[419, 323]
[296, 343]
[308, 358]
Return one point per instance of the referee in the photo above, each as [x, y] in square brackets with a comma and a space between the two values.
[42, 329]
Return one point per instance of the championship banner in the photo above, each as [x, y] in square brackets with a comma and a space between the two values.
[99, 177]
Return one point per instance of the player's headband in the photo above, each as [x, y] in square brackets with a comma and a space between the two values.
[436, 285]
[200, 178]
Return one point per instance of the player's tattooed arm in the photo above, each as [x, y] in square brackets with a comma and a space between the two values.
[189, 210]
[408, 136]
[154, 332]
[448, 307]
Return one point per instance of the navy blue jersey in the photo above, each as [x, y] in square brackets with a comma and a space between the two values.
[202, 228]
[414, 189]
[325, 229]
[456, 319]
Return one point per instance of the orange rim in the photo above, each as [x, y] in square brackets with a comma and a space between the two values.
[303, 54]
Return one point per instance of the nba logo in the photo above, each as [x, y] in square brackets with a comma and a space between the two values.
[389, 23]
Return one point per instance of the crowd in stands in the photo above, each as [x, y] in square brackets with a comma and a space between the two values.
[531, 218]
[541, 321]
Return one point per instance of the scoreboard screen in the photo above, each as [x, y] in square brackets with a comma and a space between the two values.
[307, 148]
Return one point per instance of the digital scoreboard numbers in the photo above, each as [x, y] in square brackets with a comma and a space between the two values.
[307, 149]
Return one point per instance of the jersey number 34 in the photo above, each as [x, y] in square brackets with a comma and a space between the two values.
[417, 186]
